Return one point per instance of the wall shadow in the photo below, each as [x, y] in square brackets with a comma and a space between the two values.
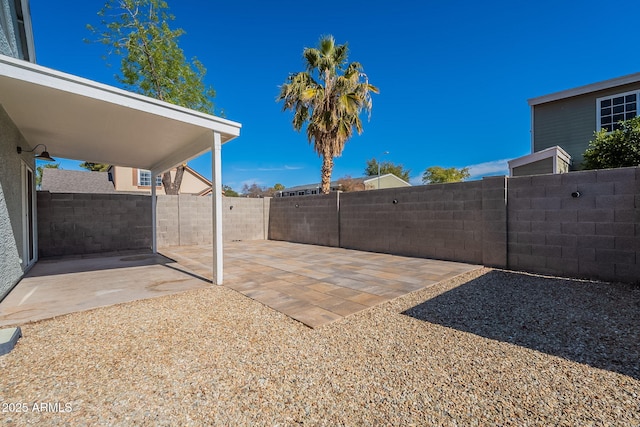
[594, 323]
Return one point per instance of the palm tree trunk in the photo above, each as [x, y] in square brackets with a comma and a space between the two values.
[327, 168]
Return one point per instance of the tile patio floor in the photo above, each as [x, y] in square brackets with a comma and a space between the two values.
[315, 284]
[312, 284]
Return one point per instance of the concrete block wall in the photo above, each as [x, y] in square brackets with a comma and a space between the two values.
[595, 235]
[305, 219]
[494, 222]
[186, 220]
[442, 221]
[74, 224]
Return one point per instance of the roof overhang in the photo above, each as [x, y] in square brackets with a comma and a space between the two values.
[81, 119]
[594, 87]
[551, 152]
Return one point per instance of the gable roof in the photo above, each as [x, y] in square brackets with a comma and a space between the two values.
[581, 90]
[64, 181]
[391, 175]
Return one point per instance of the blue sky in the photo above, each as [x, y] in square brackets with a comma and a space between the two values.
[454, 76]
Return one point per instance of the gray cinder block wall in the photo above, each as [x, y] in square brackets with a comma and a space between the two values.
[73, 224]
[528, 223]
[525, 223]
[595, 235]
[435, 221]
[312, 220]
[186, 220]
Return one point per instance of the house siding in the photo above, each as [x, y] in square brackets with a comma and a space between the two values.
[535, 168]
[570, 123]
[11, 229]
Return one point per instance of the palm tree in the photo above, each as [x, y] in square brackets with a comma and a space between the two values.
[329, 97]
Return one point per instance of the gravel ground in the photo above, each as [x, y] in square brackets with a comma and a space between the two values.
[486, 348]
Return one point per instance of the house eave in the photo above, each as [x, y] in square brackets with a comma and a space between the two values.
[594, 87]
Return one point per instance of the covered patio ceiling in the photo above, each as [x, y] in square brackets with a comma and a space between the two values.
[81, 119]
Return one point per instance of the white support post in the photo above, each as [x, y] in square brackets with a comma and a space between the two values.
[154, 227]
[216, 177]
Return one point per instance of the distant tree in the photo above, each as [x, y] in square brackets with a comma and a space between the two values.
[385, 168]
[254, 190]
[39, 171]
[617, 149]
[348, 184]
[152, 63]
[278, 187]
[328, 97]
[439, 175]
[95, 167]
[229, 192]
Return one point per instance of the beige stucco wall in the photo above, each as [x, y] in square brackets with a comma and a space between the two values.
[11, 202]
[126, 179]
[386, 181]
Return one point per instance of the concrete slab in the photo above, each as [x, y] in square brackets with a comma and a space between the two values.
[57, 287]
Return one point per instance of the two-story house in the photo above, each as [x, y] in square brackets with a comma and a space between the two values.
[563, 123]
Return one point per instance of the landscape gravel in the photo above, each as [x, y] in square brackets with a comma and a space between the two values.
[486, 348]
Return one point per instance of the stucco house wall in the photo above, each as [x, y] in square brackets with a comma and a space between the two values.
[11, 228]
[126, 179]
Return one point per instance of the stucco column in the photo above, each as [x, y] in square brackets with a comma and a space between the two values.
[154, 230]
[216, 187]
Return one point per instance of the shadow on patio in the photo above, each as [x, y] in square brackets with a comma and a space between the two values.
[587, 322]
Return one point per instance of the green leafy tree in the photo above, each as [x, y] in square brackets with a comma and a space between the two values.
[278, 187]
[39, 171]
[617, 149]
[385, 168]
[151, 62]
[328, 98]
[229, 192]
[439, 175]
[95, 167]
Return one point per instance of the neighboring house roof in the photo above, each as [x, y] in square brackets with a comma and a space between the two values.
[64, 181]
[581, 90]
[207, 191]
[390, 175]
[335, 184]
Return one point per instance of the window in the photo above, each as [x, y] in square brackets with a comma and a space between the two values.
[144, 179]
[616, 108]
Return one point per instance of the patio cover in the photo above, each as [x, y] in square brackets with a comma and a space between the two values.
[81, 119]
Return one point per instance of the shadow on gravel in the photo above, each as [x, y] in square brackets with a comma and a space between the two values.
[587, 322]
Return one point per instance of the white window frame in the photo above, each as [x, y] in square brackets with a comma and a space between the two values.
[145, 173]
[599, 100]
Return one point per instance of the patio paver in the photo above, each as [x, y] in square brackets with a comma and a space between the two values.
[316, 284]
